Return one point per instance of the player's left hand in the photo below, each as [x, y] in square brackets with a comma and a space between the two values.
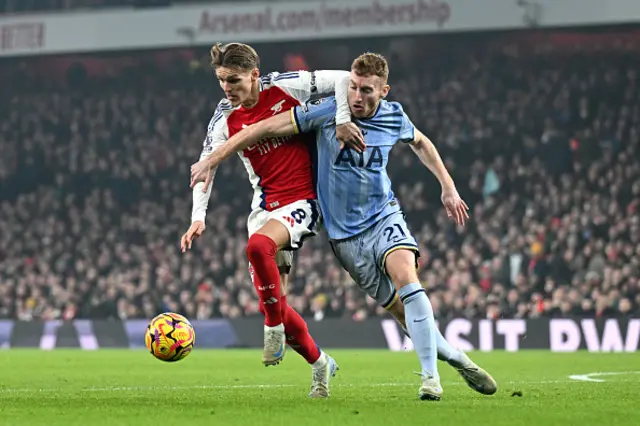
[201, 172]
[455, 206]
[350, 135]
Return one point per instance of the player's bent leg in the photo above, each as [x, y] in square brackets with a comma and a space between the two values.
[476, 377]
[400, 266]
[295, 328]
[262, 248]
[297, 334]
[323, 366]
[296, 331]
[446, 352]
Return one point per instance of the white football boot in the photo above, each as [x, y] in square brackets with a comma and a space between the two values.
[477, 378]
[430, 389]
[321, 375]
[274, 345]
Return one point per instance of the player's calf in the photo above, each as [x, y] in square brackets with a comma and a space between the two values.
[297, 334]
[261, 251]
[400, 266]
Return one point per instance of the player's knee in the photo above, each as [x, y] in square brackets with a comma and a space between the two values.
[401, 268]
[260, 246]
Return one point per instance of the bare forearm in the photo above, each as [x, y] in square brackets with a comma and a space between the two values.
[428, 154]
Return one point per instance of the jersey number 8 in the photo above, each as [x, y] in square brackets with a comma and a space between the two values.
[298, 215]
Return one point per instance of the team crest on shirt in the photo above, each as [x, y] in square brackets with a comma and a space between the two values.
[277, 107]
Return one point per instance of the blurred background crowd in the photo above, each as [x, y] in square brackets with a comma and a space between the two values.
[542, 136]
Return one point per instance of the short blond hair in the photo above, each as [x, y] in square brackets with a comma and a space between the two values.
[371, 64]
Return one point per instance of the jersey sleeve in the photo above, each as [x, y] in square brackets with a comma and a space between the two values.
[302, 85]
[217, 130]
[217, 134]
[313, 115]
[407, 129]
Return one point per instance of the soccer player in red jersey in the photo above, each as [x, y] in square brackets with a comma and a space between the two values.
[284, 206]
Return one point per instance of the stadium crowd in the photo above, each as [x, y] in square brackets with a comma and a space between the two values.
[544, 148]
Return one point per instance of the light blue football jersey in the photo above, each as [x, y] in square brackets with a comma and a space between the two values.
[354, 190]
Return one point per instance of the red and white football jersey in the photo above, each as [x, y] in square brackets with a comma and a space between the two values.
[280, 169]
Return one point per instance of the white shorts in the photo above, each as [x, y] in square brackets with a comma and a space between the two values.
[302, 219]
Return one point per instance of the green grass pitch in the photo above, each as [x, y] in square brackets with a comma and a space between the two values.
[231, 387]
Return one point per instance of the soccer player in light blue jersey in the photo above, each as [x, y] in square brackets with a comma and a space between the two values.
[365, 223]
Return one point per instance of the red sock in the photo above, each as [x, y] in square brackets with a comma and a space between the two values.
[298, 336]
[261, 251]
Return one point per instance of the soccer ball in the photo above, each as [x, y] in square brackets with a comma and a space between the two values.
[170, 337]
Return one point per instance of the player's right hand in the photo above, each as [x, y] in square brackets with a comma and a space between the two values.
[195, 230]
[349, 134]
[456, 208]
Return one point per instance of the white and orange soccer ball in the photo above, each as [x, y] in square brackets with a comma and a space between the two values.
[170, 337]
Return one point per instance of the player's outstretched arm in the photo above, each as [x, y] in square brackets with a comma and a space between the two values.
[303, 85]
[430, 157]
[217, 133]
[279, 125]
[425, 150]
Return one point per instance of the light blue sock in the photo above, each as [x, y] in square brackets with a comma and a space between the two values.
[446, 352]
[422, 327]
